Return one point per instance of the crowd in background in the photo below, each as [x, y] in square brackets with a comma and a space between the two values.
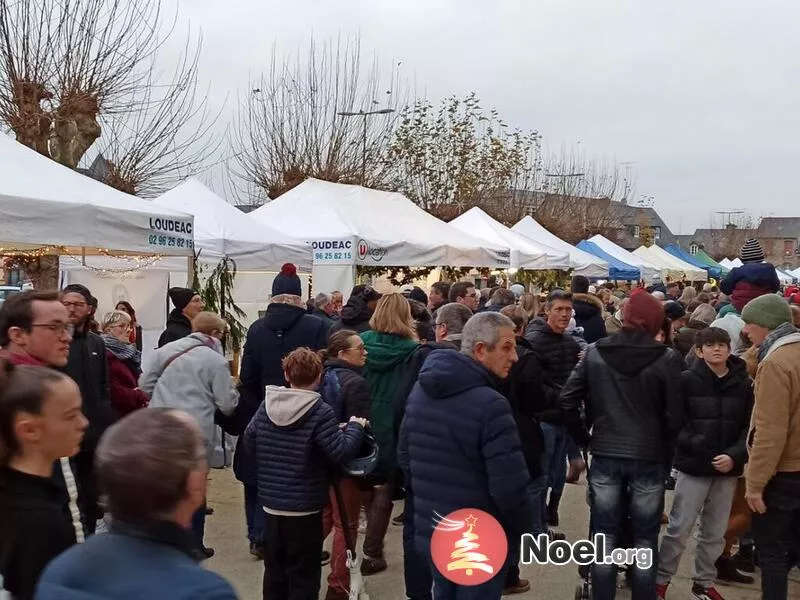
[453, 397]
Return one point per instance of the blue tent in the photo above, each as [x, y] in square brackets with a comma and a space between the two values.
[617, 270]
[715, 272]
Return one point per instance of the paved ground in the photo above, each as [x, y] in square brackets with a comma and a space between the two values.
[226, 532]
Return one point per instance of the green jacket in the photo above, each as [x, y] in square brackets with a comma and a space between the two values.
[387, 364]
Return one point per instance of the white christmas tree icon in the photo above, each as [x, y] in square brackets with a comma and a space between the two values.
[465, 556]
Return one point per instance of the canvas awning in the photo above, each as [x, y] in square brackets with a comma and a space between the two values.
[675, 268]
[617, 269]
[649, 272]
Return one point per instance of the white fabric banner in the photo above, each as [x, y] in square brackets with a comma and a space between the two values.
[329, 278]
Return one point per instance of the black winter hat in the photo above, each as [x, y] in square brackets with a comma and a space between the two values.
[77, 288]
[287, 282]
[181, 296]
[674, 310]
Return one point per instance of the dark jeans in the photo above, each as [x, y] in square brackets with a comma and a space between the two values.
[554, 460]
[416, 569]
[88, 495]
[619, 488]
[292, 554]
[537, 490]
[199, 525]
[443, 589]
[776, 531]
[254, 513]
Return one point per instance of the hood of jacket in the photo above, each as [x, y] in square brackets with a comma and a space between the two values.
[192, 340]
[629, 352]
[282, 317]
[355, 311]
[586, 306]
[448, 373]
[387, 350]
[286, 406]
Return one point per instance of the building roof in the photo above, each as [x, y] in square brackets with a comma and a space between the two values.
[779, 227]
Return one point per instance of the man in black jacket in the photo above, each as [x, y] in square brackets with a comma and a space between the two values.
[283, 328]
[631, 392]
[718, 400]
[87, 366]
[588, 310]
[188, 305]
[555, 354]
[358, 310]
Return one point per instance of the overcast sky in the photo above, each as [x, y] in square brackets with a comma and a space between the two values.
[703, 96]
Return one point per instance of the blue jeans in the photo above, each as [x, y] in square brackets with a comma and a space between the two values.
[573, 453]
[254, 514]
[619, 488]
[443, 589]
[555, 457]
[416, 570]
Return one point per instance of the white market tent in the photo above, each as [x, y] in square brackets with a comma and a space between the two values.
[784, 277]
[222, 230]
[796, 272]
[730, 264]
[673, 267]
[647, 269]
[46, 204]
[525, 253]
[581, 262]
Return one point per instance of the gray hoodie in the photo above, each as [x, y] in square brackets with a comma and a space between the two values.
[286, 406]
[197, 382]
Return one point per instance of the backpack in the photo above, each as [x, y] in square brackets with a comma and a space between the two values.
[331, 391]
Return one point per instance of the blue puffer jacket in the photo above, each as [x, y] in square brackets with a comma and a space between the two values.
[294, 440]
[282, 329]
[459, 447]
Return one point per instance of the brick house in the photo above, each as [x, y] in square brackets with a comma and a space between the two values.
[780, 238]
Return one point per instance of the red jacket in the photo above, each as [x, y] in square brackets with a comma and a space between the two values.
[125, 395]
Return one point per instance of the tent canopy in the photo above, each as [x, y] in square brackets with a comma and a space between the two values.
[712, 268]
[356, 225]
[525, 253]
[582, 263]
[730, 264]
[46, 204]
[617, 269]
[648, 270]
[675, 267]
[221, 229]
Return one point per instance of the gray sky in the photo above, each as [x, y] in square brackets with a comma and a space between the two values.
[703, 96]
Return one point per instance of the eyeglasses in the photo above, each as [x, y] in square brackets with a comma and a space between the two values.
[54, 327]
[358, 348]
[75, 304]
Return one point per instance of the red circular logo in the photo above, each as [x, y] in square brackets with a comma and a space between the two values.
[468, 546]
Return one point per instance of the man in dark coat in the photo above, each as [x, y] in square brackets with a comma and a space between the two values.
[324, 309]
[555, 354]
[283, 328]
[188, 305]
[358, 310]
[630, 389]
[588, 310]
[459, 445]
[87, 365]
[152, 470]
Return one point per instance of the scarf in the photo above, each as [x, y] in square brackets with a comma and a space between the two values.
[782, 331]
[123, 351]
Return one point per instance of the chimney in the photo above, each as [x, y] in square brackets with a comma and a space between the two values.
[731, 226]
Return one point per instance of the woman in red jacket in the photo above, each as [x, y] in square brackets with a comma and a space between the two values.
[124, 364]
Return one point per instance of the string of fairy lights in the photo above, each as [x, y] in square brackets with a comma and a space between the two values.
[131, 263]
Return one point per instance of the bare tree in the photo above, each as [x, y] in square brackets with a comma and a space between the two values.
[451, 158]
[290, 128]
[74, 70]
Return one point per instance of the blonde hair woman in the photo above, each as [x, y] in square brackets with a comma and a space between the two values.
[124, 363]
[530, 304]
[390, 344]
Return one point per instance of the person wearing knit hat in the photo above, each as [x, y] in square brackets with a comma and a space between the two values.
[753, 279]
[287, 282]
[188, 304]
[772, 474]
[630, 388]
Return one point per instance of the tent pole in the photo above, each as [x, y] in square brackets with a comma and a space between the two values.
[190, 271]
[83, 255]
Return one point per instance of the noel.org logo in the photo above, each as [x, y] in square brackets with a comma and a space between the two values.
[468, 546]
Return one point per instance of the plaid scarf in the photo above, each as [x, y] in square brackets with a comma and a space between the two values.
[122, 350]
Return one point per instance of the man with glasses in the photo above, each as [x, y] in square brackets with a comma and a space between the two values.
[88, 367]
[35, 329]
[464, 292]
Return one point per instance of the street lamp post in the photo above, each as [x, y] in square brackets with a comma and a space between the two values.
[365, 114]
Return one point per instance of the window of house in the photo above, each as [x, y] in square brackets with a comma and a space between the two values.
[657, 232]
[788, 247]
[636, 231]
[693, 248]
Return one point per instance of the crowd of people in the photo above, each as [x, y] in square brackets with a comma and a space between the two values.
[453, 398]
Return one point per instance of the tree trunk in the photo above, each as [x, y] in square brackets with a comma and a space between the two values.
[43, 272]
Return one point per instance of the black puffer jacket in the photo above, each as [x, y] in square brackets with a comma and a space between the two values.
[355, 316]
[589, 315]
[88, 367]
[520, 387]
[554, 356]
[631, 391]
[354, 389]
[717, 413]
[178, 327]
